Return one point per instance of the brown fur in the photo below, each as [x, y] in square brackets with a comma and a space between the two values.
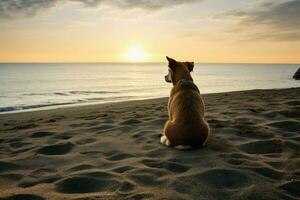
[186, 125]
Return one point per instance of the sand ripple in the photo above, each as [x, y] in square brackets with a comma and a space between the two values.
[113, 152]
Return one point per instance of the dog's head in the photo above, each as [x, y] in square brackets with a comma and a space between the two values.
[178, 71]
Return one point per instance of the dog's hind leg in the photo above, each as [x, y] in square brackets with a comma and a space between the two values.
[165, 141]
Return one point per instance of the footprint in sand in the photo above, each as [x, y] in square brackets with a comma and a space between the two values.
[7, 166]
[57, 149]
[216, 180]
[286, 125]
[41, 134]
[293, 103]
[292, 188]
[88, 182]
[11, 176]
[268, 172]
[224, 178]
[262, 147]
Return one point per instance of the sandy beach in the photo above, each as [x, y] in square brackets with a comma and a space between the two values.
[112, 151]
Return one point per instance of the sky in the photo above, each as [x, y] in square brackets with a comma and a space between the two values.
[217, 31]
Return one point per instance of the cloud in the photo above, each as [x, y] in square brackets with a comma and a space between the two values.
[23, 8]
[270, 21]
[283, 36]
[142, 4]
[15, 8]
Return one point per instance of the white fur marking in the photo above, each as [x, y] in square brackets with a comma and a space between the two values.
[165, 141]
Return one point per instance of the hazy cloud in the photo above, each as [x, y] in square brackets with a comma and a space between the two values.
[284, 36]
[270, 21]
[14, 8]
[21, 8]
[143, 4]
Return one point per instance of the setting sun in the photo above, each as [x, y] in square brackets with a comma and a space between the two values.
[135, 54]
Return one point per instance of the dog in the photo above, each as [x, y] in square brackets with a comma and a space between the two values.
[186, 127]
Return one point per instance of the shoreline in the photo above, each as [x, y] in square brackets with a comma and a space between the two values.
[74, 105]
[112, 151]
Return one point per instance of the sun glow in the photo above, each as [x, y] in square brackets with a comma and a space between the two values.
[135, 54]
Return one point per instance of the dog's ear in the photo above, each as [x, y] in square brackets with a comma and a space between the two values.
[172, 62]
[190, 66]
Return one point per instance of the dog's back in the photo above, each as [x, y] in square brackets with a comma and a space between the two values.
[187, 125]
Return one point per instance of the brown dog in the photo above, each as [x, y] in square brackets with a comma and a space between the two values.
[186, 126]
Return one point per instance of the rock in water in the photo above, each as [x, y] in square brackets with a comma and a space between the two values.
[297, 74]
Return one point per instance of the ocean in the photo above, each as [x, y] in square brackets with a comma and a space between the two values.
[26, 87]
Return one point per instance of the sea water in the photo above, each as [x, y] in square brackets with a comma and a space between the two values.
[36, 86]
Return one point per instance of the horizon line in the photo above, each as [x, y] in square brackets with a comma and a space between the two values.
[105, 62]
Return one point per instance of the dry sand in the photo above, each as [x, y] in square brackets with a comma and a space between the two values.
[112, 151]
